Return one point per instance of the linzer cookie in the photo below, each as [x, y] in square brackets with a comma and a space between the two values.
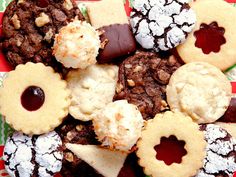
[117, 38]
[142, 81]
[164, 147]
[34, 99]
[199, 90]
[212, 39]
[220, 158]
[161, 25]
[29, 28]
[27, 156]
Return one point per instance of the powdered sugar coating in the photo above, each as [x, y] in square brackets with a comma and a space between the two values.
[161, 24]
[26, 156]
[221, 157]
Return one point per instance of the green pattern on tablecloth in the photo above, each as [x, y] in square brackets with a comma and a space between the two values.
[5, 129]
[4, 4]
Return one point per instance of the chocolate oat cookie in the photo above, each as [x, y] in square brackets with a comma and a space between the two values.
[142, 81]
[29, 28]
[220, 160]
[75, 131]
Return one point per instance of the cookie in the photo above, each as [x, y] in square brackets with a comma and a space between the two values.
[27, 156]
[29, 28]
[142, 81]
[117, 37]
[169, 125]
[77, 132]
[118, 41]
[220, 158]
[229, 127]
[100, 13]
[39, 106]
[230, 114]
[105, 161]
[77, 45]
[212, 39]
[118, 126]
[161, 25]
[87, 89]
[199, 90]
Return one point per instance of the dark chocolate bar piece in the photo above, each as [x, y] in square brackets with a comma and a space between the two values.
[119, 41]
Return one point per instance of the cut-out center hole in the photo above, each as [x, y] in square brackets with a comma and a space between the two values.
[210, 37]
[32, 98]
[170, 150]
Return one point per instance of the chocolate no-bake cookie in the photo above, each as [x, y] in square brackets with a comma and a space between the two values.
[142, 81]
[29, 28]
[220, 160]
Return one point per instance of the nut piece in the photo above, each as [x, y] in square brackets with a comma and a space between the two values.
[42, 20]
[68, 4]
[16, 22]
[69, 157]
[131, 83]
[20, 1]
[48, 35]
[119, 88]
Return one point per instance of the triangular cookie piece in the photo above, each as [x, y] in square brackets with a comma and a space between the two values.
[108, 163]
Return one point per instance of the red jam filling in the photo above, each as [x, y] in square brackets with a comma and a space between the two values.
[32, 98]
[43, 3]
[210, 37]
[170, 150]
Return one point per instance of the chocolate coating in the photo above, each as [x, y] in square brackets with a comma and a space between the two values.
[119, 41]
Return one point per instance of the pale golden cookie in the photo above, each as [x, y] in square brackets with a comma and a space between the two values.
[230, 127]
[100, 13]
[91, 89]
[200, 91]
[165, 125]
[34, 99]
[208, 12]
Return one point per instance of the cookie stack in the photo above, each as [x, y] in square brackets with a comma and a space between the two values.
[115, 96]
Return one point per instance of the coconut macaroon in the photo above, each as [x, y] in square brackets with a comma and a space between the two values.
[77, 45]
[118, 126]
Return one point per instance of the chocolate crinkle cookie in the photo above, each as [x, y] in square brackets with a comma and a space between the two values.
[220, 160]
[33, 156]
[29, 28]
[142, 81]
[161, 24]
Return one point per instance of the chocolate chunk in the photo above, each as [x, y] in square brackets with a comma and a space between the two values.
[142, 81]
[230, 114]
[29, 28]
[118, 41]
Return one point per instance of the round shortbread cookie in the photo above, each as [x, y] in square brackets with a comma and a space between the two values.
[165, 125]
[208, 12]
[200, 91]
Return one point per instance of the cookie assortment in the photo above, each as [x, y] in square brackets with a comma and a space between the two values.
[115, 96]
